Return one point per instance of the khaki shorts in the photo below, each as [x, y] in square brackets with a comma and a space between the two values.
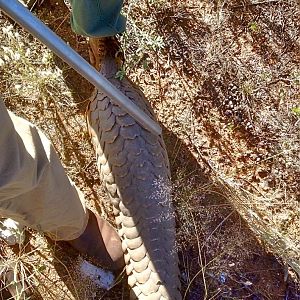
[34, 188]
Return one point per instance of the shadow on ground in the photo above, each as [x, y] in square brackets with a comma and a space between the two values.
[59, 22]
[219, 255]
[218, 252]
[67, 263]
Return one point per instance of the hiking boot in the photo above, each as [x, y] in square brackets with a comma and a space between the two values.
[100, 47]
[11, 232]
[101, 242]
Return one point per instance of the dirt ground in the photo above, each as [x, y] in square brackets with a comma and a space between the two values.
[224, 80]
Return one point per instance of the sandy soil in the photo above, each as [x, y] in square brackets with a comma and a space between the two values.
[223, 80]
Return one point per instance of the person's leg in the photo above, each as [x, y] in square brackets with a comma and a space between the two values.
[97, 18]
[100, 21]
[36, 192]
[34, 189]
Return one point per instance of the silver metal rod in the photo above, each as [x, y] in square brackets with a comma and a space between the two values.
[38, 29]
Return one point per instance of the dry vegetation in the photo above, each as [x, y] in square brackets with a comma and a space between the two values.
[224, 80]
[226, 74]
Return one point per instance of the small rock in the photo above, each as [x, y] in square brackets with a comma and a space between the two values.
[247, 283]
[223, 277]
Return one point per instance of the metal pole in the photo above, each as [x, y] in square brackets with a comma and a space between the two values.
[31, 23]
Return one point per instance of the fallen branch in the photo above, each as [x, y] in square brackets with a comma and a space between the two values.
[256, 3]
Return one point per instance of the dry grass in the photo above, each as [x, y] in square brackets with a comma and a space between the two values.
[224, 79]
[36, 85]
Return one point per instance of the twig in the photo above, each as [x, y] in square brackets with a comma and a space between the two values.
[256, 3]
[202, 270]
